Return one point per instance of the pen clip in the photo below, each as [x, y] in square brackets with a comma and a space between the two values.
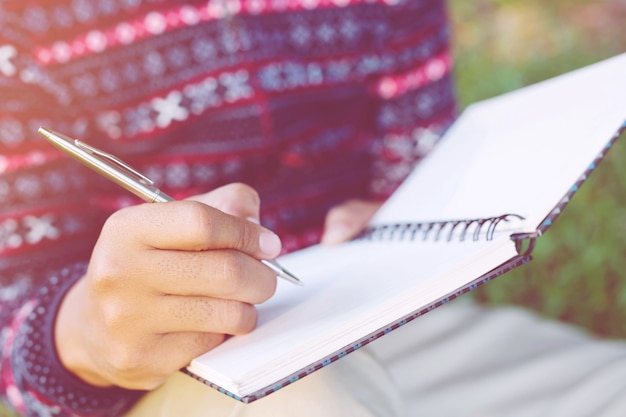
[112, 159]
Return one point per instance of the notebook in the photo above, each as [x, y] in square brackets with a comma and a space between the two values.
[468, 213]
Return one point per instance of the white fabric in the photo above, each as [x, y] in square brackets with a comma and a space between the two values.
[459, 360]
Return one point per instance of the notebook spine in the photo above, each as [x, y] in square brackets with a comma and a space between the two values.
[474, 229]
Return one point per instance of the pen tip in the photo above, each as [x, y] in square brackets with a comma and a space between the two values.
[290, 277]
[282, 272]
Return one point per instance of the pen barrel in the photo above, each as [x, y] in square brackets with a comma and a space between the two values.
[126, 177]
[147, 192]
[119, 173]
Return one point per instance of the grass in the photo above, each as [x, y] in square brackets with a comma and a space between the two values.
[579, 269]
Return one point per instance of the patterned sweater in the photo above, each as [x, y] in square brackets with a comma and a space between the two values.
[311, 102]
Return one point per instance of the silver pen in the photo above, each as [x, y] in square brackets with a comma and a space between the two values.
[127, 177]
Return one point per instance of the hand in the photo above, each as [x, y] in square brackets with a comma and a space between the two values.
[347, 220]
[166, 283]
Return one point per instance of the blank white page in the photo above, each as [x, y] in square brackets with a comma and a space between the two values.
[350, 291]
[518, 153]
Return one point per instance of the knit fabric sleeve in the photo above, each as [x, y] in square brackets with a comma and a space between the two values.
[311, 107]
[33, 381]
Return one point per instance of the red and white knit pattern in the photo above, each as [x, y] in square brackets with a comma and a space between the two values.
[310, 101]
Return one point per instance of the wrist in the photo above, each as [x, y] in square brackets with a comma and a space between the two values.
[71, 329]
[35, 364]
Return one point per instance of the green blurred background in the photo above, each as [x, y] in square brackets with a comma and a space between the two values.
[578, 273]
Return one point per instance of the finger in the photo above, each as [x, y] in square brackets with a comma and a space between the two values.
[181, 348]
[347, 220]
[203, 314]
[146, 369]
[225, 274]
[191, 225]
[236, 199]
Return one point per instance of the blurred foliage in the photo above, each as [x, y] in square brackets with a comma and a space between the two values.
[502, 45]
[578, 273]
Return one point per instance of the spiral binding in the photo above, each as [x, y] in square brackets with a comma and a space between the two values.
[435, 230]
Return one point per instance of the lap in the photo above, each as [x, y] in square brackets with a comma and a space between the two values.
[461, 359]
[328, 392]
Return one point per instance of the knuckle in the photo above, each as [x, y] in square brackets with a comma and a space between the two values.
[124, 360]
[240, 318]
[109, 260]
[243, 275]
[248, 238]
[241, 189]
[132, 367]
[103, 276]
[200, 220]
[114, 317]
[239, 274]
[118, 221]
[114, 220]
[239, 198]
[233, 268]
[197, 213]
[267, 287]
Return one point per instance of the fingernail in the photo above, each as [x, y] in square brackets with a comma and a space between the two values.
[270, 244]
[253, 220]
